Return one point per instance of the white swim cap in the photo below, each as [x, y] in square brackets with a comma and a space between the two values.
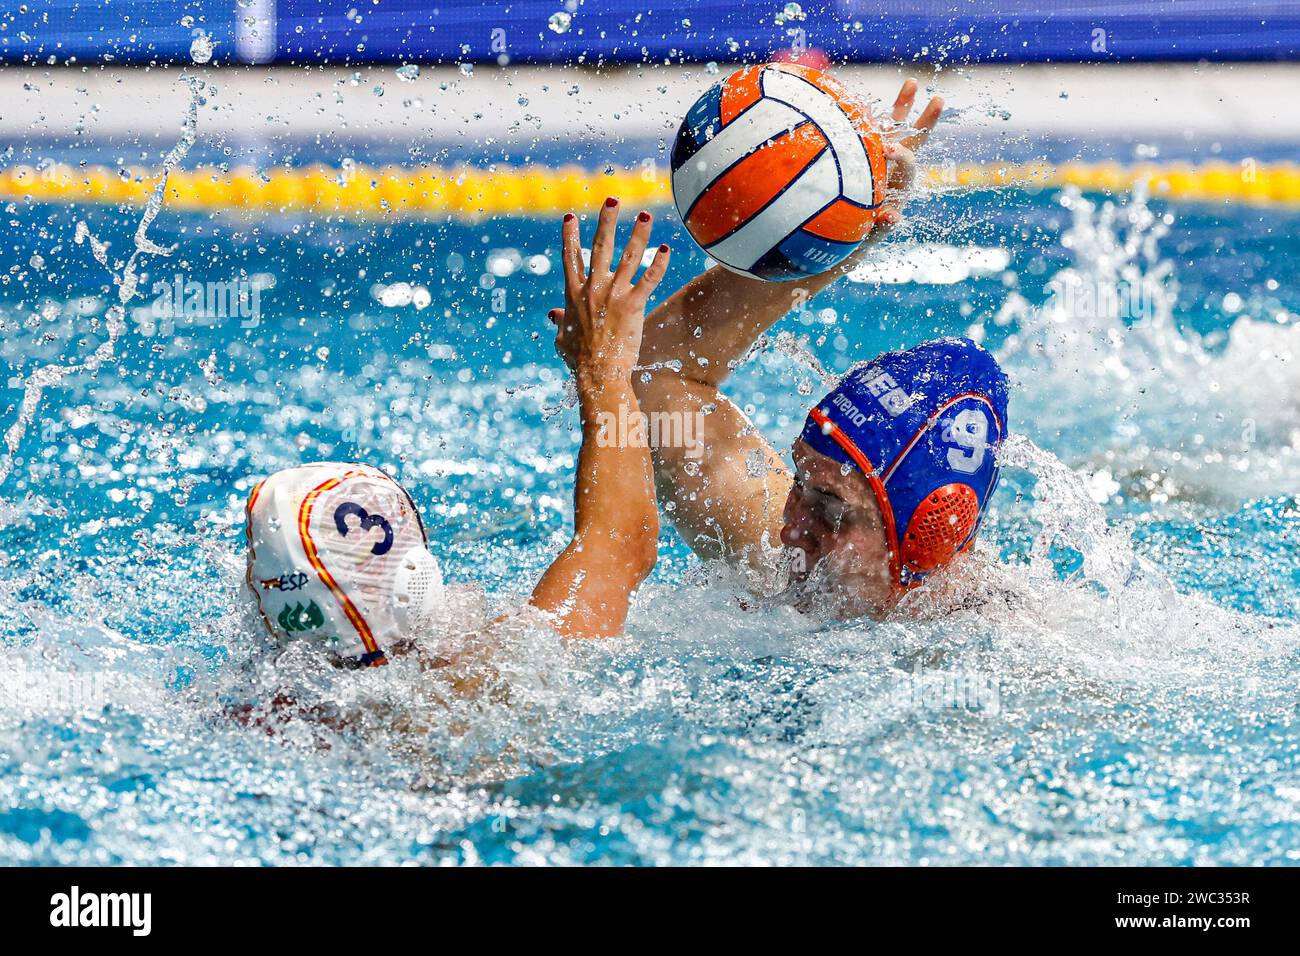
[337, 554]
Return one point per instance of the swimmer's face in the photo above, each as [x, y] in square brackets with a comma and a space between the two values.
[832, 517]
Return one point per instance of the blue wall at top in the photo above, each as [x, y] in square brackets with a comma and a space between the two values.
[642, 30]
[135, 31]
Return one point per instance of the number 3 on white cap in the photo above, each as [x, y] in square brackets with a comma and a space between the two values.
[969, 431]
[350, 509]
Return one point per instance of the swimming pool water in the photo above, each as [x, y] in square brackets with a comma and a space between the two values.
[1126, 695]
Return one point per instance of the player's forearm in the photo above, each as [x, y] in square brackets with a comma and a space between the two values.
[614, 491]
[588, 588]
[730, 312]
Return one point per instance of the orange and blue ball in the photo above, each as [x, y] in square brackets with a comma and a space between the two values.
[778, 172]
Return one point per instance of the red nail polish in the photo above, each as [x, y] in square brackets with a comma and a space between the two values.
[611, 202]
[568, 217]
[663, 248]
[643, 216]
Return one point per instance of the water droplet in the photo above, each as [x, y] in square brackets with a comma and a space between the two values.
[560, 22]
[711, 68]
[201, 48]
[467, 69]
[408, 72]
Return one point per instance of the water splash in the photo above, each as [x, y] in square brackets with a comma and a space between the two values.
[1132, 395]
[1119, 694]
[1067, 515]
[49, 376]
[789, 345]
[1112, 311]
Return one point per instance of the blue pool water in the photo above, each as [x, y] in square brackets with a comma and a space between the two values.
[1125, 695]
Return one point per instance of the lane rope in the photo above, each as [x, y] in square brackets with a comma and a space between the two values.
[468, 192]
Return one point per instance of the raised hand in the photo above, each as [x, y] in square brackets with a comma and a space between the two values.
[900, 158]
[587, 590]
[919, 131]
[599, 329]
[900, 154]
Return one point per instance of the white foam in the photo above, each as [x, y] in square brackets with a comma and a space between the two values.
[930, 264]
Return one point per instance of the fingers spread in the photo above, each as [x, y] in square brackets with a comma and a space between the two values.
[654, 273]
[906, 97]
[571, 255]
[634, 250]
[602, 247]
[929, 116]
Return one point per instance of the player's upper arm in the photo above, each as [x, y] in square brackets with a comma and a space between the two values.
[726, 484]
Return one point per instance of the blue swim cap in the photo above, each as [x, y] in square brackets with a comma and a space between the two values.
[924, 426]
